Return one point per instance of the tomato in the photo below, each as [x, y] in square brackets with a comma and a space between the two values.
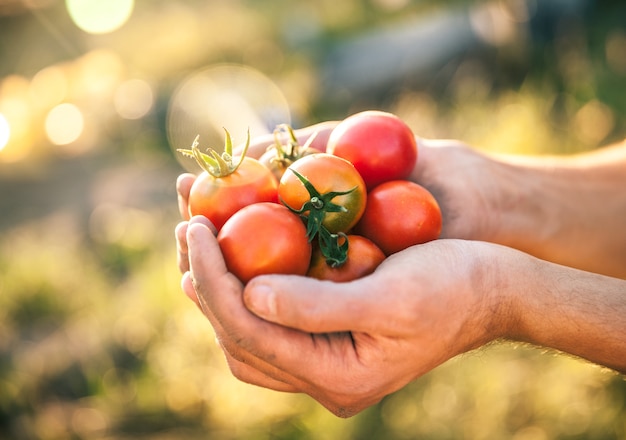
[218, 198]
[264, 238]
[279, 156]
[328, 175]
[363, 258]
[224, 187]
[400, 214]
[379, 145]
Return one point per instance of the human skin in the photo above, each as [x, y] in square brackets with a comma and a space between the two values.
[533, 250]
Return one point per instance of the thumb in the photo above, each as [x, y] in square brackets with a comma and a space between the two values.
[314, 306]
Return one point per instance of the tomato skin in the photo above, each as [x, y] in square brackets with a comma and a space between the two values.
[218, 198]
[326, 173]
[400, 214]
[380, 145]
[363, 258]
[264, 238]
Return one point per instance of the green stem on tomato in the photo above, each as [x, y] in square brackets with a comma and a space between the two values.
[217, 165]
[317, 207]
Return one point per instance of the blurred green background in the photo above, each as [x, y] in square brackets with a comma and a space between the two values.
[97, 340]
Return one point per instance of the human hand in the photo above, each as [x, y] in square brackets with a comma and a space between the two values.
[347, 345]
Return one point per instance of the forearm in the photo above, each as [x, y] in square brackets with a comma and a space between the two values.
[567, 210]
[570, 310]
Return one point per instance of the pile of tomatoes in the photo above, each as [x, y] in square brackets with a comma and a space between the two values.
[332, 215]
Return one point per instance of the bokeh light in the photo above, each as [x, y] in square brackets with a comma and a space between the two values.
[64, 124]
[99, 17]
[133, 99]
[5, 132]
[16, 110]
[49, 87]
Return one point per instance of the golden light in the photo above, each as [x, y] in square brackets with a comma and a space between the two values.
[593, 122]
[236, 97]
[17, 133]
[99, 17]
[133, 99]
[5, 132]
[49, 87]
[64, 124]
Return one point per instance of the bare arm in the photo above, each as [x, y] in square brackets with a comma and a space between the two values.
[569, 210]
[571, 310]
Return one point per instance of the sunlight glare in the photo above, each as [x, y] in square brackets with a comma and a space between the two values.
[5, 132]
[99, 17]
[236, 97]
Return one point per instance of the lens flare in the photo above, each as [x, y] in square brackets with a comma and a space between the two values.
[99, 17]
[234, 97]
[5, 132]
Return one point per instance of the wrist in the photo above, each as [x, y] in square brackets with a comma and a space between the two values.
[500, 274]
[529, 208]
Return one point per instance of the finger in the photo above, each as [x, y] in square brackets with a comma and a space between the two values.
[248, 374]
[183, 187]
[322, 131]
[187, 286]
[257, 146]
[219, 292]
[183, 252]
[181, 247]
[315, 306]
[243, 366]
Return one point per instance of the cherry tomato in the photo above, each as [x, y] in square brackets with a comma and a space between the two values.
[218, 198]
[400, 214]
[264, 238]
[379, 145]
[225, 186]
[328, 174]
[363, 258]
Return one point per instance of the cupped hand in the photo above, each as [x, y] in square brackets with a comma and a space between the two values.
[345, 344]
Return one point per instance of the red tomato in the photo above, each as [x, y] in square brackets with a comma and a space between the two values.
[363, 258]
[264, 238]
[218, 198]
[379, 145]
[327, 174]
[226, 186]
[400, 214]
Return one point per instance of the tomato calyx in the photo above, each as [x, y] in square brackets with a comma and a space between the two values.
[287, 153]
[217, 165]
[335, 254]
[317, 207]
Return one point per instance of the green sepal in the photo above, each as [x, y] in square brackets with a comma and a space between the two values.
[287, 153]
[317, 206]
[335, 254]
[217, 165]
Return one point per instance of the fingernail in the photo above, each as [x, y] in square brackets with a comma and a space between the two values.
[262, 301]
